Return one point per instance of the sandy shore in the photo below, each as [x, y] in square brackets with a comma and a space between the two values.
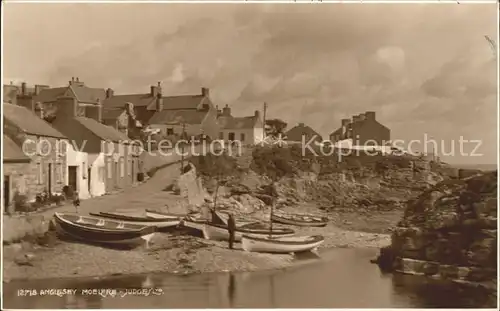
[167, 253]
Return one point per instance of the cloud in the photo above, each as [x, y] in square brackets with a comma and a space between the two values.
[423, 68]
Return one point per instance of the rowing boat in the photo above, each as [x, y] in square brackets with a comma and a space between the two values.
[220, 232]
[303, 220]
[163, 216]
[140, 220]
[293, 244]
[100, 230]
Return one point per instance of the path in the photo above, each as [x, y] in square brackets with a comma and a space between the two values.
[146, 195]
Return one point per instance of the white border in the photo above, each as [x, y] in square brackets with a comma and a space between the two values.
[261, 2]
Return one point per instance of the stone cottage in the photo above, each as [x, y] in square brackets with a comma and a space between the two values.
[43, 145]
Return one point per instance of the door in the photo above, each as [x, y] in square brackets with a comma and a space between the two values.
[117, 174]
[6, 193]
[73, 177]
[133, 171]
[49, 188]
[89, 178]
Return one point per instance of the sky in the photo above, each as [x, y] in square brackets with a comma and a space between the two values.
[425, 69]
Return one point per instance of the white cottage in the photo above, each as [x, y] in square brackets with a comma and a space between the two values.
[247, 130]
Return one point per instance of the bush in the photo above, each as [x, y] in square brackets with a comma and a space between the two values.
[21, 203]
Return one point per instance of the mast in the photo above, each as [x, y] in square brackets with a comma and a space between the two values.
[182, 146]
[264, 118]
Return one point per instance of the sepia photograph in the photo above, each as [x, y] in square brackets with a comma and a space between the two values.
[249, 154]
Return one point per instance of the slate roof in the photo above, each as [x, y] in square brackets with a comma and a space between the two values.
[178, 117]
[112, 113]
[29, 122]
[82, 93]
[139, 100]
[233, 123]
[12, 152]
[102, 131]
[296, 133]
[181, 102]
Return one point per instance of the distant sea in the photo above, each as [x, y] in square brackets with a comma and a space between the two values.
[482, 167]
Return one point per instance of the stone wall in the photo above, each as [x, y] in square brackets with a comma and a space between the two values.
[35, 175]
[450, 232]
[17, 227]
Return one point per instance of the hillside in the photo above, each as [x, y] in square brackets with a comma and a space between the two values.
[357, 188]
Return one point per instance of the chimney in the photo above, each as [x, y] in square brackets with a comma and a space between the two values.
[226, 111]
[23, 88]
[129, 107]
[98, 109]
[301, 124]
[109, 93]
[39, 110]
[370, 115]
[257, 114]
[345, 122]
[155, 90]
[159, 102]
[77, 79]
[205, 92]
[355, 119]
[362, 117]
[66, 107]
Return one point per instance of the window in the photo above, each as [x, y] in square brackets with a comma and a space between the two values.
[170, 131]
[110, 168]
[122, 167]
[59, 173]
[242, 137]
[84, 170]
[231, 136]
[221, 135]
[39, 167]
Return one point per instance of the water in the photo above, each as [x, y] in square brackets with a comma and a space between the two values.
[343, 278]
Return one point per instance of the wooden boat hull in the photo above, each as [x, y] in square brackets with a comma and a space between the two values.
[279, 245]
[103, 231]
[220, 232]
[137, 220]
[163, 216]
[300, 220]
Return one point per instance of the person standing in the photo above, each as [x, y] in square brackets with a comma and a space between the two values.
[231, 228]
[76, 201]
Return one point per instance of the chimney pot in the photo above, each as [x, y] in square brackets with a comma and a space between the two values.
[23, 88]
[226, 111]
[109, 93]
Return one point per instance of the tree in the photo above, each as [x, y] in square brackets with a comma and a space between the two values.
[275, 127]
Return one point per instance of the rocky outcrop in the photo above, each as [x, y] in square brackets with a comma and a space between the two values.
[450, 232]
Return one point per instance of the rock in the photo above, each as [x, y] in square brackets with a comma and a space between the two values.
[25, 259]
[450, 231]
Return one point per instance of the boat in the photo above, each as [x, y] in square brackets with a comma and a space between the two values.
[293, 244]
[163, 216]
[223, 217]
[103, 231]
[213, 231]
[303, 220]
[140, 220]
